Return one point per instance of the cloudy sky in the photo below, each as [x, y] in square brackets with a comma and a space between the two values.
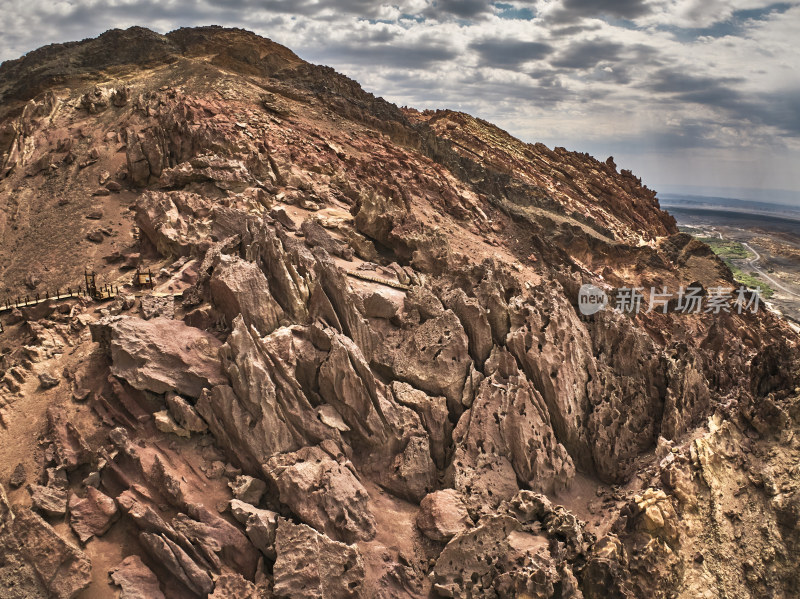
[692, 93]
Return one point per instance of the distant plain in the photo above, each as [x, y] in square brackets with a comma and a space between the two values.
[760, 241]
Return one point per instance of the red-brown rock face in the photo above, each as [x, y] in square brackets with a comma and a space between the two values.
[361, 370]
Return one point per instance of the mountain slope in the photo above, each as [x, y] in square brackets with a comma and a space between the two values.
[369, 315]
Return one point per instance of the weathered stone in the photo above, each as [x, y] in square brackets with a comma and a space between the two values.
[185, 414]
[93, 515]
[64, 570]
[173, 222]
[433, 357]
[506, 436]
[657, 515]
[323, 493]
[177, 562]
[311, 565]
[51, 501]
[434, 416]
[70, 448]
[240, 287]
[248, 489]
[234, 586]
[135, 579]
[157, 307]
[161, 355]
[260, 525]
[166, 424]
[315, 235]
[266, 410]
[467, 562]
[475, 322]
[227, 174]
[18, 477]
[95, 236]
[376, 305]
[442, 515]
[280, 215]
[167, 483]
[218, 539]
[48, 380]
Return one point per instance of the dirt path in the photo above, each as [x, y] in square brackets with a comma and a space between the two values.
[753, 263]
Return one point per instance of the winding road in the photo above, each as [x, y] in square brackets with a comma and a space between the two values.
[753, 263]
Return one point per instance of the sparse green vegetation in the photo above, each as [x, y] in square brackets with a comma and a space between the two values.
[750, 280]
[693, 231]
[732, 250]
[725, 249]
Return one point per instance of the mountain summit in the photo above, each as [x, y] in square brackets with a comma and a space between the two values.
[329, 347]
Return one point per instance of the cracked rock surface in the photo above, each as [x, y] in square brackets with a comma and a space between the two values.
[360, 369]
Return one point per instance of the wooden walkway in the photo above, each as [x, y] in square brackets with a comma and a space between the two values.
[387, 282]
[27, 302]
[145, 280]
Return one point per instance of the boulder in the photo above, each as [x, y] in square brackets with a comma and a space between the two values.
[442, 515]
[93, 515]
[71, 450]
[240, 287]
[161, 355]
[95, 236]
[51, 501]
[248, 489]
[260, 526]
[48, 380]
[18, 477]
[466, 565]
[323, 493]
[311, 565]
[64, 569]
[377, 305]
[265, 410]
[507, 436]
[177, 562]
[334, 304]
[185, 414]
[135, 579]
[433, 357]
[234, 586]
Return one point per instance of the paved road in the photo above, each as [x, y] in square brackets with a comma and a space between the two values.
[753, 263]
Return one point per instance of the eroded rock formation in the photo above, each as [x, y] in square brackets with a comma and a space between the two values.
[361, 370]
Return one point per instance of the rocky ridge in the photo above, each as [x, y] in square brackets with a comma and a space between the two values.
[265, 425]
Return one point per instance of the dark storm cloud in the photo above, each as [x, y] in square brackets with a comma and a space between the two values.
[509, 54]
[585, 55]
[311, 8]
[680, 82]
[545, 91]
[574, 10]
[623, 9]
[415, 56]
[780, 110]
[464, 9]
